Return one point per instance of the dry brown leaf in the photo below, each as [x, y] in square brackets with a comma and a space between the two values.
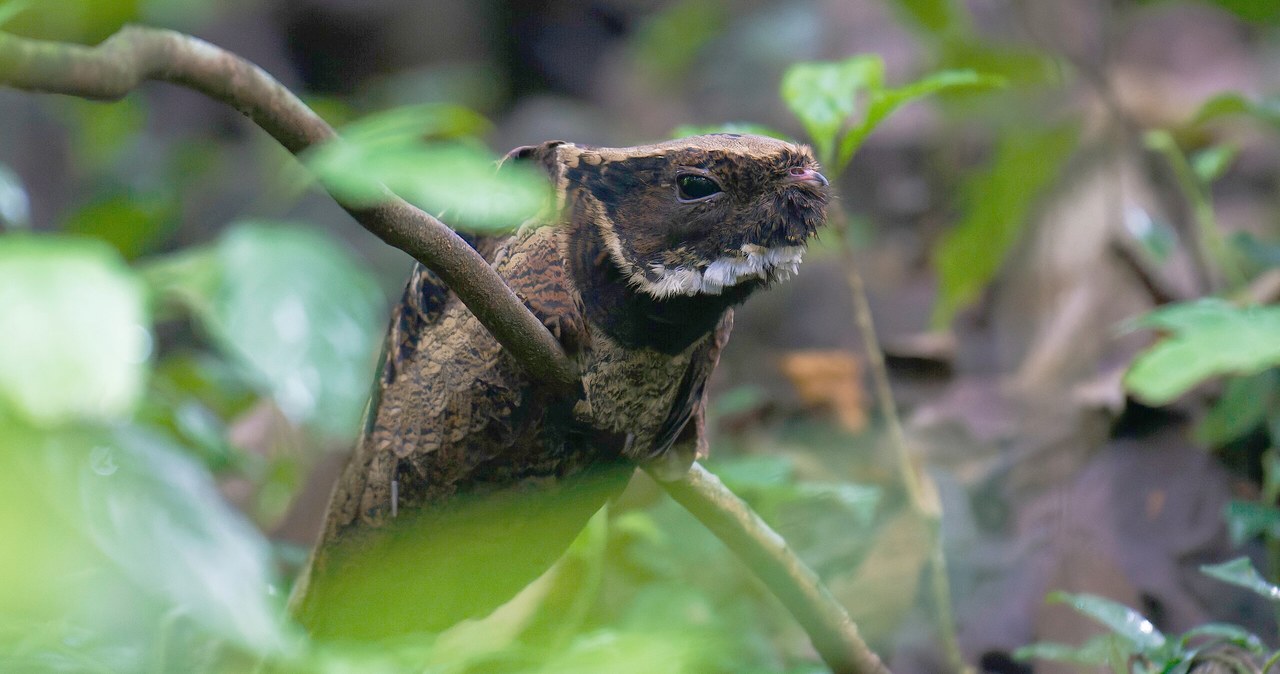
[831, 381]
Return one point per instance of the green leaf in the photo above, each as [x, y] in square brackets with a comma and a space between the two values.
[885, 103]
[935, 16]
[132, 223]
[425, 155]
[1125, 622]
[1240, 572]
[1235, 103]
[15, 207]
[12, 8]
[1224, 632]
[75, 339]
[1206, 338]
[997, 205]
[668, 41]
[728, 127]
[1211, 163]
[1247, 519]
[1097, 651]
[823, 95]
[128, 539]
[1242, 408]
[293, 307]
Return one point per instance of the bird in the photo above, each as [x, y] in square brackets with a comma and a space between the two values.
[470, 477]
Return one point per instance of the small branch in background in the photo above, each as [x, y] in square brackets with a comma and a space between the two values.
[833, 633]
[1149, 278]
[920, 495]
[134, 55]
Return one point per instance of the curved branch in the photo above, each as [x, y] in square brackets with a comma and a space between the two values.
[828, 625]
[116, 67]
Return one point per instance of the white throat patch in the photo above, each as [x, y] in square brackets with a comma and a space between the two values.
[768, 264]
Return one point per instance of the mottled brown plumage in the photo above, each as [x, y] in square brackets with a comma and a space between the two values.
[634, 269]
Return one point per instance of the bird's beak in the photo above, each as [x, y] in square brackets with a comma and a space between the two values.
[807, 175]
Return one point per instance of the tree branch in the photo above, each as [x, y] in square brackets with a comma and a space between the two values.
[829, 626]
[116, 67]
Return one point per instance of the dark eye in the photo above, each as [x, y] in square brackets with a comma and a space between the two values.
[693, 186]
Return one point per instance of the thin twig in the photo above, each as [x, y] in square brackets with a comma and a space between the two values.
[113, 69]
[116, 67]
[923, 501]
[829, 626]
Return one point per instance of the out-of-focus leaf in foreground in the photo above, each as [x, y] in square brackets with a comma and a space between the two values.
[125, 551]
[422, 154]
[292, 306]
[73, 330]
[1203, 339]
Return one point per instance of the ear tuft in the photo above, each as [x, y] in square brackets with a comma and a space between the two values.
[543, 154]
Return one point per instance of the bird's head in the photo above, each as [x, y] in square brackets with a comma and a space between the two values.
[694, 216]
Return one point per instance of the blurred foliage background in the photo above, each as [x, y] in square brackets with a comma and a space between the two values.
[188, 328]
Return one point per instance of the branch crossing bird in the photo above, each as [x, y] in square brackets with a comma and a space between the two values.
[471, 478]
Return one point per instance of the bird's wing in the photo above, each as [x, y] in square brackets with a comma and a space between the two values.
[683, 437]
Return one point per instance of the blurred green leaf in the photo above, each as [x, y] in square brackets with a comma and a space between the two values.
[132, 223]
[1247, 519]
[997, 204]
[12, 8]
[128, 540]
[82, 21]
[1097, 651]
[1211, 163]
[1205, 338]
[421, 154]
[1223, 632]
[102, 133]
[937, 17]
[1123, 621]
[1242, 408]
[1017, 65]
[1257, 254]
[75, 339]
[668, 41]
[884, 103]
[1240, 572]
[823, 95]
[15, 206]
[1234, 103]
[685, 130]
[1255, 11]
[291, 305]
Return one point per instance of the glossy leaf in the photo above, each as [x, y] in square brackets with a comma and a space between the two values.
[823, 95]
[997, 205]
[1223, 632]
[76, 330]
[1123, 621]
[1240, 572]
[1204, 338]
[291, 306]
[1097, 651]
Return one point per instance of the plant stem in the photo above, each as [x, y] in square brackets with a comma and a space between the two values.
[922, 499]
[833, 633]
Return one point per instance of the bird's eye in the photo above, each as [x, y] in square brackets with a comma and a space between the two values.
[693, 187]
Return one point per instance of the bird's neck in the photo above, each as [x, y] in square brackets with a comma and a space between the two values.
[634, 318]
